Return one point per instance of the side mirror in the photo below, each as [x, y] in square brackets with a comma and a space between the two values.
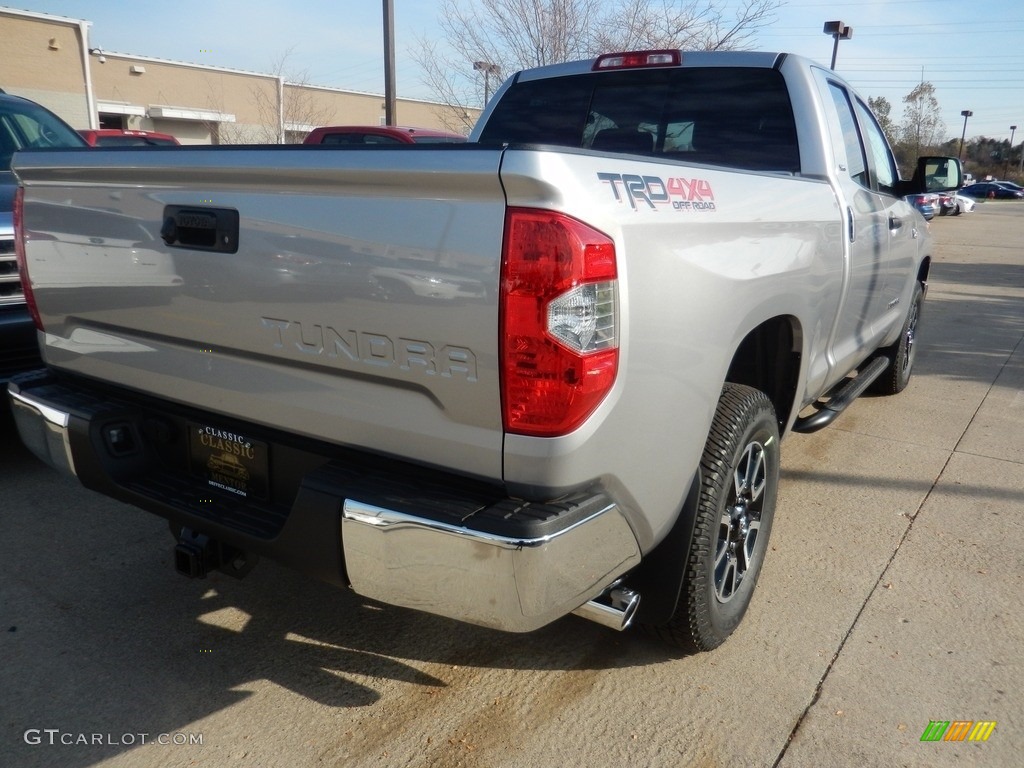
[938, 174]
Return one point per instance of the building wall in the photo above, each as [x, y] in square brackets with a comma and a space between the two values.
[233, 106]
[334, 107]
[182, 86]
[43, 61]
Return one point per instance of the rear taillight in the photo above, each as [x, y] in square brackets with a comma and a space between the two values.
[559, 328]
[19, 252]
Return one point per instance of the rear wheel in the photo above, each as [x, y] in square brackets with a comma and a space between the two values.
[902, 353]
[739, 485]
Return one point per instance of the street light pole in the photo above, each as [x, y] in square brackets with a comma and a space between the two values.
[966, 113]
[488, 69]
[839, 31]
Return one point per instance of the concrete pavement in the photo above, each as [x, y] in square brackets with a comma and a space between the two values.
[940, 636]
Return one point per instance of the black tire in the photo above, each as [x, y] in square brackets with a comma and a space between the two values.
[903, 352]
[733, 520]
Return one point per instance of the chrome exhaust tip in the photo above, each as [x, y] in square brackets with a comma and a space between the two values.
[614, 608]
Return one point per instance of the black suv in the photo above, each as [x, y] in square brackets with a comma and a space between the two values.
[23, 125]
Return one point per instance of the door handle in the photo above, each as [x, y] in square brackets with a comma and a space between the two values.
[851, 228]
[895, 223]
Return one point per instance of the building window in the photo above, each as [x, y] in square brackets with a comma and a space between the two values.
[108, 120]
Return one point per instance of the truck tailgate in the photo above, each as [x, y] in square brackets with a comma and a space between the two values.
[358, 304]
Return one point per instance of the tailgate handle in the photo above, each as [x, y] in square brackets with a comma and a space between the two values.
[200, 229]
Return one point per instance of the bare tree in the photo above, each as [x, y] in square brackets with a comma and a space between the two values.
[922, 126]
[507, 35]
[882, 110]
[692, 25]
[282, 113]
[300, 111]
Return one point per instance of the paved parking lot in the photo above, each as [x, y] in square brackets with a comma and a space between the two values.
[889, 600]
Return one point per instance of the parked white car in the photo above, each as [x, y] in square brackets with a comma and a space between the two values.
[962, 204]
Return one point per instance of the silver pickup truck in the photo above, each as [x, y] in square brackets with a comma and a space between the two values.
[544, 372]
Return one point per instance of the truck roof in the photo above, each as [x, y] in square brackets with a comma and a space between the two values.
[765, 59]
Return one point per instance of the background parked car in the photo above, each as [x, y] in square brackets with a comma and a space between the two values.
[947, 204]
[962, 204]
[927, 204]
[1009, 184]
[380, 134]
[23, 125]
[114, 137]
[990, 189]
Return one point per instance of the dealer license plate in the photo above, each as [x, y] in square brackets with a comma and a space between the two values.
[228, 460]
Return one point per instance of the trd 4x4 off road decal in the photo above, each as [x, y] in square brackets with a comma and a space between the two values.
[653, 191]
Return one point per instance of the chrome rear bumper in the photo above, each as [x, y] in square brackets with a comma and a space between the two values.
[483, 559]
[515, 585]
[43, 429]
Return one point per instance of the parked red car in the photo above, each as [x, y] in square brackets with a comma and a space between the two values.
[380, 134]
[115, 137]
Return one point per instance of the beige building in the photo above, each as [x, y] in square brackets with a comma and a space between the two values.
[51, 60]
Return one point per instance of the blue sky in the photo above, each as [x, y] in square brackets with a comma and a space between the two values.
[970, 50]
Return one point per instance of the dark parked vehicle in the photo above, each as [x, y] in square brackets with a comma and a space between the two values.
[1010, 185]
[990, 189]
[23, 125]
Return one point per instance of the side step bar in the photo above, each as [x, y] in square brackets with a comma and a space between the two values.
[845, 395]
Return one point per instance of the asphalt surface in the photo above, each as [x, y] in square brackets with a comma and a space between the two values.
[890, 599]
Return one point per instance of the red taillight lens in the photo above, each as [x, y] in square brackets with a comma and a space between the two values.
[19, 253]
[559, 330]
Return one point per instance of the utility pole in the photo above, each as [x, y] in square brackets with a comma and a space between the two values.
[1009, 155]
[1020, 166]
[389, 62]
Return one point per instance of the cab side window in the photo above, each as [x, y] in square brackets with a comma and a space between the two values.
[881, 157]
[856, 162]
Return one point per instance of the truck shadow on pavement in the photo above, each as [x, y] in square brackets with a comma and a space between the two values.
[972, 320]
[102, 638]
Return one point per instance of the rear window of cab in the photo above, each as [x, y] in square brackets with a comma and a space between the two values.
[737, 117]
